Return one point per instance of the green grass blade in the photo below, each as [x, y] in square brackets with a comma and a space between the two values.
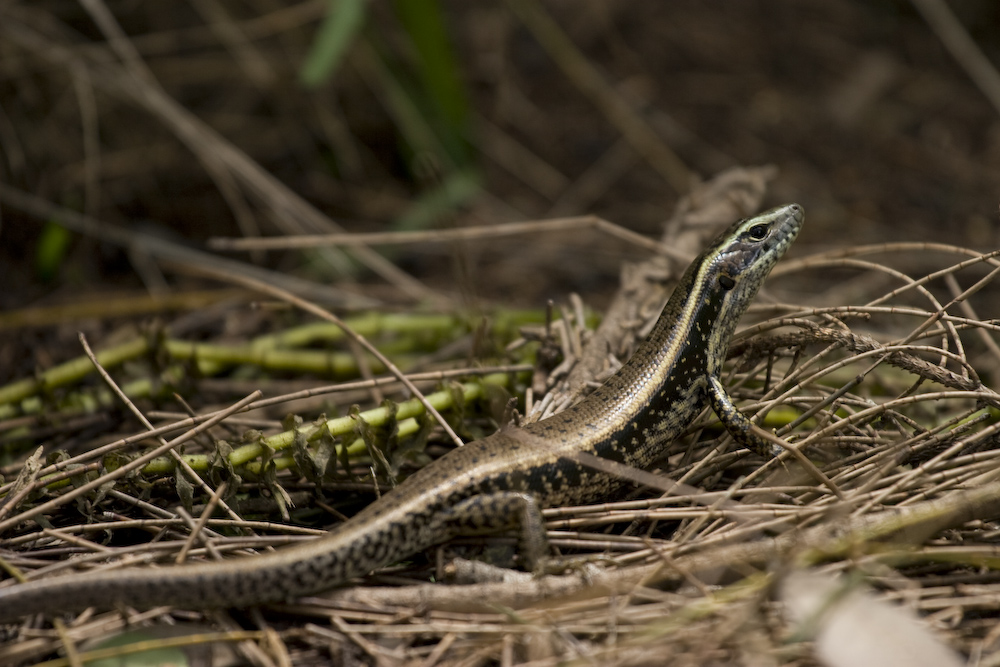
[343, 21]
[424, 22]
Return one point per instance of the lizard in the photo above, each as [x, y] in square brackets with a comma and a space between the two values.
[501, 481]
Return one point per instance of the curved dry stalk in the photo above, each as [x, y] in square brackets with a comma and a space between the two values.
[574, 224]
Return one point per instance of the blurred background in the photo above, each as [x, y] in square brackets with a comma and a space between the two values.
[187, 121]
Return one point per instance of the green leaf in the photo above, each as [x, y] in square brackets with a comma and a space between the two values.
[303, 456]
[343, 21]
[456, 190]
[378, 438]
[185, 489]
[220, 467]
[51, 249]
[181, 645]
[424, 21]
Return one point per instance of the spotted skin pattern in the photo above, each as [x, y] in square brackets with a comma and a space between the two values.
[500, 481]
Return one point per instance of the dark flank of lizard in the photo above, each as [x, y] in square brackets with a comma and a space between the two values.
[498, 482]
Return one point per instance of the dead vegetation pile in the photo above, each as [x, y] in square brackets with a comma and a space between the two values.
[872, 364]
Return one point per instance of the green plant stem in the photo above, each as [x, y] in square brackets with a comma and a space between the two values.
[71, 371]
[405, 428]
[406, 412]
[274, 351]
[339, 426]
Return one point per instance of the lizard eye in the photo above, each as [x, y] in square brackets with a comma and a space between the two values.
[757, 232]
[727, 282]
